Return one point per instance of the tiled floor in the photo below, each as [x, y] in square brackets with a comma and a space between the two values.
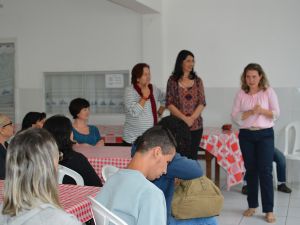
[287, 208]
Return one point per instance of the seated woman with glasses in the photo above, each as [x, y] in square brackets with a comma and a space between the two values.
[61, 129]
[6, 132]
[30, 188]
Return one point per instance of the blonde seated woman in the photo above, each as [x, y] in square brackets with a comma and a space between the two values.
[30, 190]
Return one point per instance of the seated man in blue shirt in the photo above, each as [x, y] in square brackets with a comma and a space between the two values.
[129, 193]
[180, 167]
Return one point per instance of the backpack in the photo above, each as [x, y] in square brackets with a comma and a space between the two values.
[197, 198]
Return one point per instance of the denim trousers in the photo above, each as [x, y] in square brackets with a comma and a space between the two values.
[280, 166]
[258, 152]
[279, 158]
[196, 221]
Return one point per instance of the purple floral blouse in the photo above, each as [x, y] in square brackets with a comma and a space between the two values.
[186, 99]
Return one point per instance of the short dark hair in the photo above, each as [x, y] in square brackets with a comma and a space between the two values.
[156, 136]
[31, 118]
[178, 71]
[76, 105]
[61, 128]
[137, 72]
[181, 133]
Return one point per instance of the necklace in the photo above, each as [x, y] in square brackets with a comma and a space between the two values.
[186, 84]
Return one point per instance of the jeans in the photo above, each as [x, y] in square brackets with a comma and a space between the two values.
[280, 166]
[258, 152]
[279, 158]
[196, 221]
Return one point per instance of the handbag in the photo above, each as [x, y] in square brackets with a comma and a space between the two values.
[197, 198]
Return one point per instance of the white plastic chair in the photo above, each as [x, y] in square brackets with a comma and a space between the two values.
[108, 170]
[103, 216]
[292, 144]
[275, 180]
[62, 171]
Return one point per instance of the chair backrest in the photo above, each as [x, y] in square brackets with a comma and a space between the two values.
[62, 171]
[103, 216]
[292, 138]
[108, 170]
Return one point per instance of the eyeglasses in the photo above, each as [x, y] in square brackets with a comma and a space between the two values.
[8, 124]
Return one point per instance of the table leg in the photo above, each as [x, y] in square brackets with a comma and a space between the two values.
[208, 158]
[217, 173]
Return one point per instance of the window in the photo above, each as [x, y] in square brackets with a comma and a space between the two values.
[103, 89]
[7, 74]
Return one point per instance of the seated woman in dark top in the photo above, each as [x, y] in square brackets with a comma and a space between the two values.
[6, 132]
[33, 119]
[61, 129]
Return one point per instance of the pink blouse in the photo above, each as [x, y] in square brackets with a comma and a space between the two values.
[243, 102]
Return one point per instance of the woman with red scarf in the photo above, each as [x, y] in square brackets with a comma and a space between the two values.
[142, 100]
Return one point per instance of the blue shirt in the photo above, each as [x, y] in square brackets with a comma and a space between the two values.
[133, 198]
[92, 138]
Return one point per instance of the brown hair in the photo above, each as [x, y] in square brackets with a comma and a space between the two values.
[263, 83]
[137, 72]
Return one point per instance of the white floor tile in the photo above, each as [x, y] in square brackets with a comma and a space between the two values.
[295, 202]
[292, 221]
[260, 220]
[286, 208]
[294, 212]
[229, 220]
[281, 211]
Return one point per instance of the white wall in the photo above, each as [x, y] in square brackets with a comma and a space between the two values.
[99, 35]
[225, 36]
[69, 35]
[153, 4]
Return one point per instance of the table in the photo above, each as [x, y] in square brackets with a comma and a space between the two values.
[118, 156]
[224, 146]
[112, 134]
[73, 199]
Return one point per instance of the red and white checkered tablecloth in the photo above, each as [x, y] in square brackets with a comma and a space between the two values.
[224, 145]
[105, 155]
[73, 199]
[111, 134]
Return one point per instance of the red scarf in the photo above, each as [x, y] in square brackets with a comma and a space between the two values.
[152, 100]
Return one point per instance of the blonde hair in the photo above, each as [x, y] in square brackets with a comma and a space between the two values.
[31, 171]
[263, 83]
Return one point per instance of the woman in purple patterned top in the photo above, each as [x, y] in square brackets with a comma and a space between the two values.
[185, 97]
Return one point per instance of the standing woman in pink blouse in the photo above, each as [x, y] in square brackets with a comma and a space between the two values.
[255, 109]
[185, 98]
